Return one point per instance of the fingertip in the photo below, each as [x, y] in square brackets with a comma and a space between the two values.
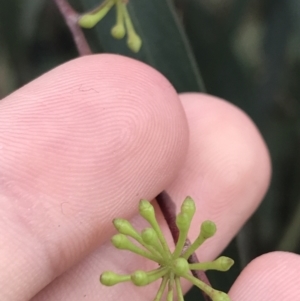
[92, 112]
[272, 276]
[228, 168]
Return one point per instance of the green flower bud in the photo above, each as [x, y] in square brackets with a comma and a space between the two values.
[118, 31]
[139, 278]
[146, 210]
[180, 266]
[90, 19]
[208, 229]
[188, 207]
[153, 244]
[134, 42]
[87, 21]
[120, 241]
[125, 227]
[149, 236]
[224, 263]
[110, 278]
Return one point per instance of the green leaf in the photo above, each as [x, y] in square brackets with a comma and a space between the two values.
[165, 45]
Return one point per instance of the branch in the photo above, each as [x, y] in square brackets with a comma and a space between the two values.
[71, 18]
[168, 209]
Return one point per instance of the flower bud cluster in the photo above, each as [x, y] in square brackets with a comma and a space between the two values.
[123, 23]
[171, 266]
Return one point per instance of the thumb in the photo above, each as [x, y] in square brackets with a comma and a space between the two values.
[79, 145]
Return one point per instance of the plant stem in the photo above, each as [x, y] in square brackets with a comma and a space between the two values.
[71, 18]
[168, 209]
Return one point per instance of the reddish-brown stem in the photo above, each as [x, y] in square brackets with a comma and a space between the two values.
[71, 18]
[168, 209]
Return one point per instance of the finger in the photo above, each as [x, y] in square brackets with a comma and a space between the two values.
[227, 170]
[220, 173]
[273, 276]
[79, 146]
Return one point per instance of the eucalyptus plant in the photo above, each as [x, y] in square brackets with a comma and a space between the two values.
[123, 22]
[171, 265]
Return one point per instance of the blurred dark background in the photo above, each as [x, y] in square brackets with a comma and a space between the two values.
[246, 51]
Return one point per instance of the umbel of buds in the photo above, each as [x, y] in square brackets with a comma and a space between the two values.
[171, 266]
[123, 22]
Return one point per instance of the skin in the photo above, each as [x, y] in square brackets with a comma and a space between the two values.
[85, 142]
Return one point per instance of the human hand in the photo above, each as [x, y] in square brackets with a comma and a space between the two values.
[84, 143]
